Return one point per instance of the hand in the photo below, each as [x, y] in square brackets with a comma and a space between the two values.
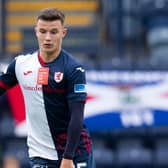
[67, 163]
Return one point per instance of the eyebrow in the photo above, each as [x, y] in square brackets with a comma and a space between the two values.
[50, 30]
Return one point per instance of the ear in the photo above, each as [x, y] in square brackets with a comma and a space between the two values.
[65, 30]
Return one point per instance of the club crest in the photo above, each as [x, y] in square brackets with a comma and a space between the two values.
[58, 76]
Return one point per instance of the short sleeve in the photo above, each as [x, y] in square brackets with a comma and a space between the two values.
[76, 84]
[9, 77]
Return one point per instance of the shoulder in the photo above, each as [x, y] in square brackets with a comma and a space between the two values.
[74, 69]
[25, 57]
[70, 60]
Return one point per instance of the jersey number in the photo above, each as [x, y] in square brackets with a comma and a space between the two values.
[80, 165]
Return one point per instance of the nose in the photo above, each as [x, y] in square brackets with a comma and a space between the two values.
[48, 36]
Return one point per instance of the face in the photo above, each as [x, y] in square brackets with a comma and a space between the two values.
[49, 35]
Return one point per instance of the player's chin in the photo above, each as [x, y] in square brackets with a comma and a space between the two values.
[48, 49]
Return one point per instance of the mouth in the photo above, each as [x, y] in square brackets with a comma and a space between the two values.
[48, 45]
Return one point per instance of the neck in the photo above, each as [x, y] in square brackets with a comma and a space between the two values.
[49, 56]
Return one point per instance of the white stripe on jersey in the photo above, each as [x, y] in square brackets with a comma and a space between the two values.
[40, 141]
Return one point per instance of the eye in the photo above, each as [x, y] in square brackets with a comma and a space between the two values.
[42, 31]
[54, 31]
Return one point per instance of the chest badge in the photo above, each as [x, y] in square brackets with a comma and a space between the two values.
[58, 76]
[43, 74]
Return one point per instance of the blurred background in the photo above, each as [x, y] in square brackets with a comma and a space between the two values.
[123, 45]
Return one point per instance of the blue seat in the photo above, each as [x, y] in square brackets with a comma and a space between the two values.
[161, 153]
[104, 154]
[6, 127]
[132, 153]
[159, 132]
[104, 157]
[17, 147]
[82, 40]
[30, 42]
[79, 40]
[116, 64]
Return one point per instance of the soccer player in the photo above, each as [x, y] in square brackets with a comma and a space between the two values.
[53, 86]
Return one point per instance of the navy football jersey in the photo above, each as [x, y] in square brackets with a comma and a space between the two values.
[47, 88]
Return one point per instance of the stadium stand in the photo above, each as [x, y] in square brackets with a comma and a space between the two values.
[76, 42]
[155, 21]
[132, 153]
[123, 31]
[161, 150]
[17, 147]
[7, 126]
[159, 132]
[0, 29]
[100, 146]
[22, 14]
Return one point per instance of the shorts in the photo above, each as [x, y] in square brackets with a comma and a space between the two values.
[37, 162]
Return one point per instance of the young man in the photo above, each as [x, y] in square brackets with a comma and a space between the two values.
[53, 86]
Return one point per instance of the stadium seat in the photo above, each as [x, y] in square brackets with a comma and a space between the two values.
[135, 132]
[158, 45]
[21, 14]
[156, 26]
[116, 63]
[107, 7]
[131, 23]
[18, 148]
[30, 42]
[131, 153]
[84, 40]
[161, 153]
[6, 127]
[159, 132]
[79, 40]
[104, 156]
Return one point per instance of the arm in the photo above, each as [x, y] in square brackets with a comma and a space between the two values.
[74, 130]
[3, 88]
[66, 163]
[76, 100]
[8, 79]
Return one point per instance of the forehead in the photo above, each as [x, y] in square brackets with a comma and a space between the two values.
[56, 24]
